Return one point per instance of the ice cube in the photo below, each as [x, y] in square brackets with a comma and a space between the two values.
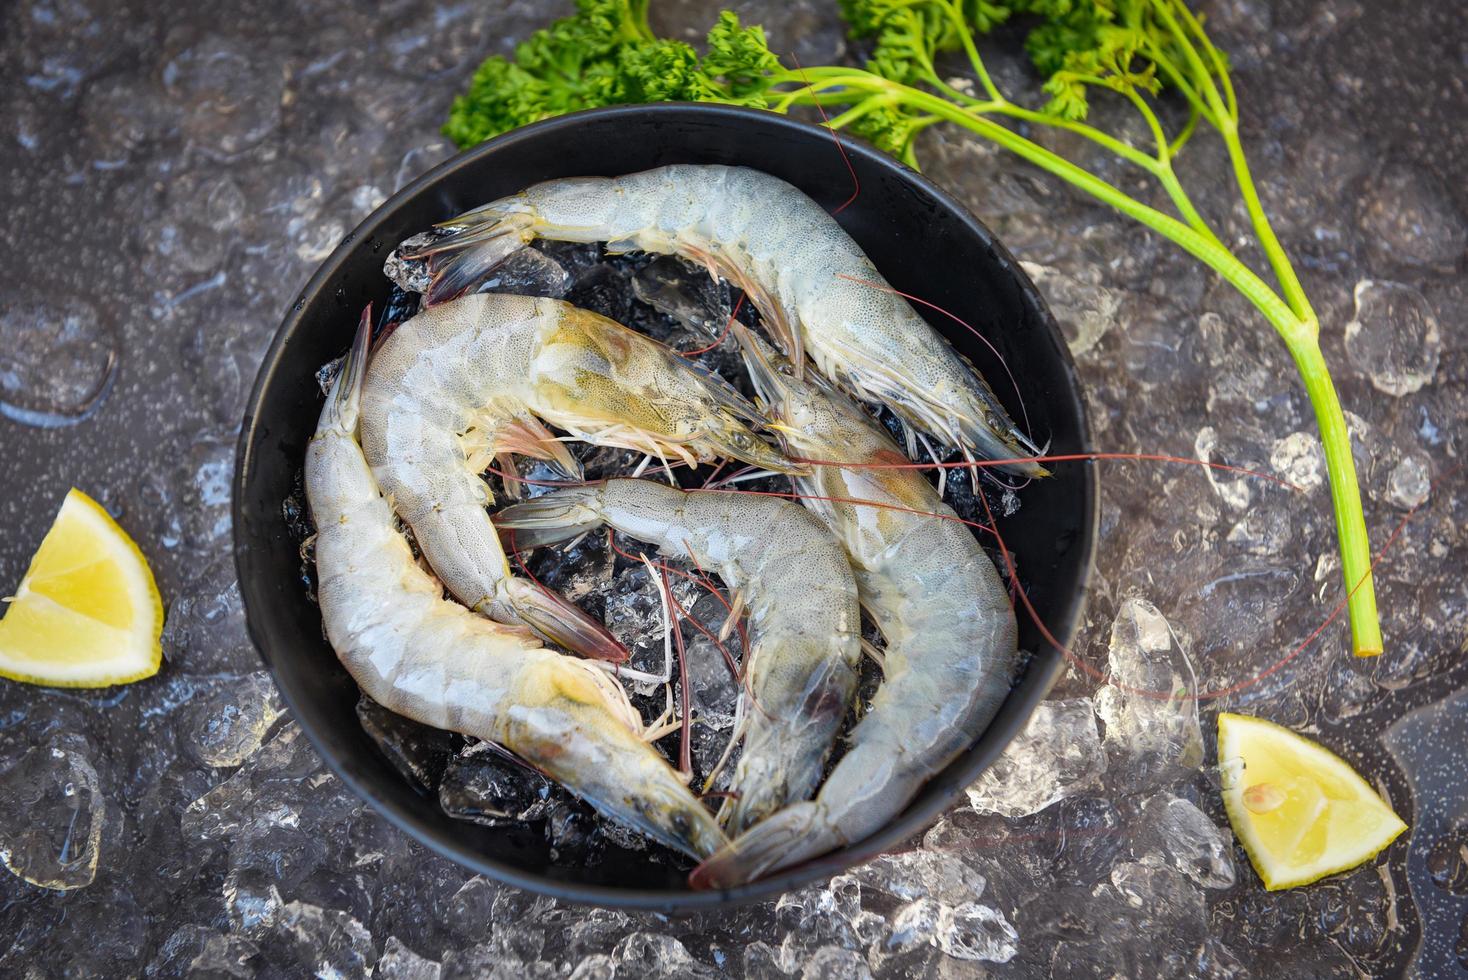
[410, 275]
[1410, 217]
[1236, 490]
[1085, 309]
[1393, 339]
[528, 272]
[398, 962]
[1151, 719]
[1299, 458]
[419, 752]
[204, 632]
[326, 942]
[603, 289]
[51, 815]
[483, 785]
[686, 293]
[227, 723]
[976, 932]
[195, 950]
[1059, 754]
[923, 872]
[230, 93]
[1174, 830]
[657, 957]
[1410, 481]
[597, 967]
[58, 359]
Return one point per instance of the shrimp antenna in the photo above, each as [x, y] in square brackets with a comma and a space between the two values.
[826, 123]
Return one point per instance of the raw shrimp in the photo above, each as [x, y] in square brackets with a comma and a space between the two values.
[432, 660]
[467, 380]
[938, 601]
[817, 291]
[804, 639]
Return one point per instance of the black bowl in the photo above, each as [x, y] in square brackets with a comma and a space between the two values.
[924, 242]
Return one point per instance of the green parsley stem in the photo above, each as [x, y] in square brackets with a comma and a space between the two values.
[1299, 330]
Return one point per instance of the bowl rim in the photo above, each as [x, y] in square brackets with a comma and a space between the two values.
[1046, 664]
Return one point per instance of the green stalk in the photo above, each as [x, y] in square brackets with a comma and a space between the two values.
[1345, 495]
[1278, 260]
[1297, 327]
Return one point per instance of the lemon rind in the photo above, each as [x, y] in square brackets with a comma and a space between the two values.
[146, 657]
[1243, 827]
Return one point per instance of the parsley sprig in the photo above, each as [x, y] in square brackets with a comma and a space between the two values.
[606, 54]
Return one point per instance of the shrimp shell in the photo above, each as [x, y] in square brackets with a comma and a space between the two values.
[468, 379]
[432, 660]
[804, 623]
[937, 599]
[818, 293]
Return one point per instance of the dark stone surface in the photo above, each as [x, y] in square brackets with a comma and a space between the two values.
[170, 175]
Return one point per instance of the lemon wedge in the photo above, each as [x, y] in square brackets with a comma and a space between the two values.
[87, 613]
[1299, 809]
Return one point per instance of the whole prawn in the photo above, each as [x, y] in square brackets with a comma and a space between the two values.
[937, 599]
[818, 293]
[804, 622]
[434, 661]
[469, 379]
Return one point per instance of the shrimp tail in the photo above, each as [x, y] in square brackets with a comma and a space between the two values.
[344, 401]
[563, 622]
[787, 837]
[550, 519]
[547, 520]
[478, 241]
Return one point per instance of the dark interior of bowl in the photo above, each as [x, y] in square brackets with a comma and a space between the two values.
[923, 242]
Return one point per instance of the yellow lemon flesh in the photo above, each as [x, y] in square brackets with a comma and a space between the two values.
[87, 613]
[1299, 809]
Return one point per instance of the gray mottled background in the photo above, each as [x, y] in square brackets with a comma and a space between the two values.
[171, 173]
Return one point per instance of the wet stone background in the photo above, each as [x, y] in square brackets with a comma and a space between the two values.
[170, 175]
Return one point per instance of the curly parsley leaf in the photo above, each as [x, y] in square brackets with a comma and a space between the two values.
[605, 54]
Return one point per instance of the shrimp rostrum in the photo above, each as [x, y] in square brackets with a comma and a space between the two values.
[816, 290]
[468, 380]
[800, 670]
[432, 660]
[949, 629]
